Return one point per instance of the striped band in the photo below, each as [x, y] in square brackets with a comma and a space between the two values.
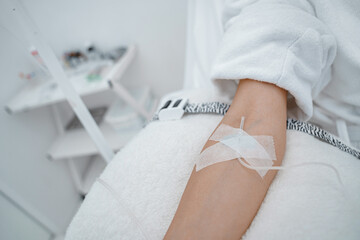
[291, 124]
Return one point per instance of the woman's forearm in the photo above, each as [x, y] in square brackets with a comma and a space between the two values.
[221, 200]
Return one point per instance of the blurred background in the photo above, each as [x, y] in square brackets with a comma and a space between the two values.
[46, 168]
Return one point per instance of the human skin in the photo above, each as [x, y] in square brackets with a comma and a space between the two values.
[221, 200]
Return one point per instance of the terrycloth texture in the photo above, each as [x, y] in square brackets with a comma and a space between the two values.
[310, 48]
[149, 175]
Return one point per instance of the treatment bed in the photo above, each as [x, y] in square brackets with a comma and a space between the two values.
[137, 195]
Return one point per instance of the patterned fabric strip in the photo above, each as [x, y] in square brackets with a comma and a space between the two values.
[319, 133]
[291, 124]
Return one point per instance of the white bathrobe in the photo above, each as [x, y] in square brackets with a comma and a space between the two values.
[310, 48]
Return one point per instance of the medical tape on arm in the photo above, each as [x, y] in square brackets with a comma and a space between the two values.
[235, 143]
[253, 152]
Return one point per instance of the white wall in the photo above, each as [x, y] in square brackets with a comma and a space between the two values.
[158, 29]
[12, 218]
[156, 26]
[24, 140]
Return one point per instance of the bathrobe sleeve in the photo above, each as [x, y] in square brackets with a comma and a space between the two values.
[276, 41]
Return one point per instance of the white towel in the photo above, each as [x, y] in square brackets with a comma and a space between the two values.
[149, 175]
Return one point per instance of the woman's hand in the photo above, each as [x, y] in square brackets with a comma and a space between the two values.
[221, 200]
